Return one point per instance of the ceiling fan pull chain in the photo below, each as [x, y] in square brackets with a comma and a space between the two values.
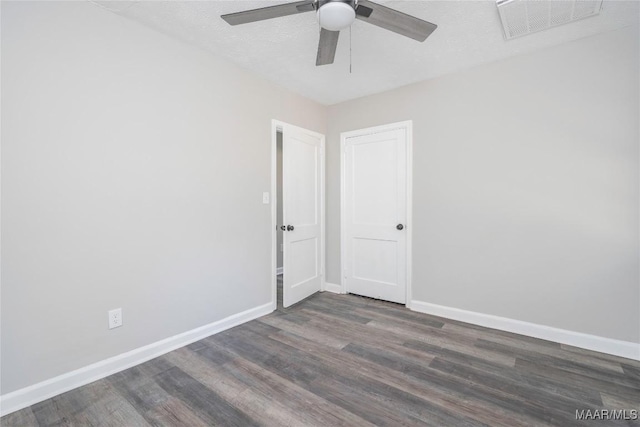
[350, 50]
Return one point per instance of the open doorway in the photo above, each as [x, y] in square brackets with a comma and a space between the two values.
[279, 221]
[297, 212]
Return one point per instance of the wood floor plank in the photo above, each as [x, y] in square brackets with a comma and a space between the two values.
[241, 388]
[498, 335]
[301, 403]
[392, 398]
[23, 417]
[271, 355]
[597, 355]
[363, 334]
[547, 385]
[345, 314]
[140, 390]
[556, 351]
[440, 338]
[598, 373]
[554, 406]
[173, 413]
[579, 380]
[485, 391]
[215, 356]
[631, 371]
[47, 413]
[491, 415]
[360, 404]
[293, 316]
[199, 366]
[299, 369]
[348, 331]
[619, 402]
[392, 313]
[98, 403]
[419, 332]
[434, 350]
[204, 401]
[150, 400]
[327, 339]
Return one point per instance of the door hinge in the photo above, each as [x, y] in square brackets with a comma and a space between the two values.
[345, 273]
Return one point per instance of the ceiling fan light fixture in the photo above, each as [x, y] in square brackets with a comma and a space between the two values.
[336, 15]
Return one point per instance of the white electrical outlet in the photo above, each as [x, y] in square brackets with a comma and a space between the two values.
[265, 198]
[115, 318]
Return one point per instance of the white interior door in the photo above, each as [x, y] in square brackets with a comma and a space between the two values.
[375, 213]
[303, 197]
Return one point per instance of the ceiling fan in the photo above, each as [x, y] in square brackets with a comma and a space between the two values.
[336, 15]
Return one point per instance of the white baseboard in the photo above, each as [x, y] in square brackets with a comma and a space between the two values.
[578, 339]
[30, 395]
[279, 270]
[332, 287]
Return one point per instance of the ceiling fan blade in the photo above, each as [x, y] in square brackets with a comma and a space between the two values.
[395, 21]
[306, 6]
[270, 12]
[327, 47]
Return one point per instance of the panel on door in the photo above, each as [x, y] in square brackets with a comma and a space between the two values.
[302, 204]
[375, 215]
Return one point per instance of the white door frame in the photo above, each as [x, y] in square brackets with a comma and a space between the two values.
[408, 127]
[277, 126]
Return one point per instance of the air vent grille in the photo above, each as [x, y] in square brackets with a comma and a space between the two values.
[521, 17]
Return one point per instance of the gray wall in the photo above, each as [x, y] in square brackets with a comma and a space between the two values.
[525, 185]
[133, 168]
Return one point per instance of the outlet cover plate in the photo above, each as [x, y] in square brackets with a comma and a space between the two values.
[115, 318]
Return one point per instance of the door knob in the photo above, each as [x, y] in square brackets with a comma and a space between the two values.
[289, 227]
[399, 226]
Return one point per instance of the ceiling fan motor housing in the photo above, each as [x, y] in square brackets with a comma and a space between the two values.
[336, 15]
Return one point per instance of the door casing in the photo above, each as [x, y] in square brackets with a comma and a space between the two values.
[408, 127]
[278, 126]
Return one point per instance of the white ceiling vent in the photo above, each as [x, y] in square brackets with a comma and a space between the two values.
[522, 17]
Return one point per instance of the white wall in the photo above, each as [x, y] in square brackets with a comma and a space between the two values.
[525, 185]
[133, 168]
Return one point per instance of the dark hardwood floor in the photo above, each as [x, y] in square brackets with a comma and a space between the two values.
[336, 360]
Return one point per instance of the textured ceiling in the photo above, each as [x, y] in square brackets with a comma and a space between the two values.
[283, 50]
